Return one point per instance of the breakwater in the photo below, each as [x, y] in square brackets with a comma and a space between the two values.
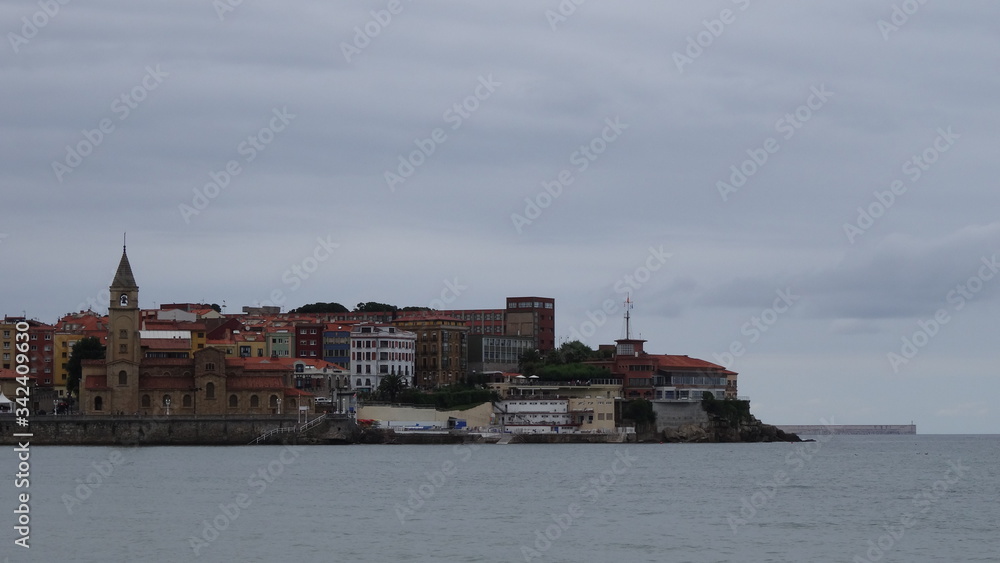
[174, 430]
[849, 429]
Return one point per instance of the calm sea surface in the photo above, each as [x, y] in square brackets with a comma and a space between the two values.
[885, 498]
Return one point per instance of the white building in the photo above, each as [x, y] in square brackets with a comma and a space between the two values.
[535, 415]
[380, 350]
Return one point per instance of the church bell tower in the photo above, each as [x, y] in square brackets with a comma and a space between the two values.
[123, 353]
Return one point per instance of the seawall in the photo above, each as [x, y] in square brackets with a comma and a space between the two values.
[171, 431]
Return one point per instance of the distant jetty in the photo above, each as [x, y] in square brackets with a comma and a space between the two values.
[849, 429]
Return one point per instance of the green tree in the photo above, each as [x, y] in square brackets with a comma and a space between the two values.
[320, 307]
[216, 307]
[390, 386]
[576, 351]
[639, 411]
[375, 307]
[89, 348]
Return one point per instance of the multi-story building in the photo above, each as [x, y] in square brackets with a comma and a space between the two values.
[41, 348]
[69, 330]
[378, 351]
[280, 342]
[309, 340]
[497, 352]
[441, 348]
[481, 321]
[337, 343]
[535, 317]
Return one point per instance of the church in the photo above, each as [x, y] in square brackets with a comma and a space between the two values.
[134, 380]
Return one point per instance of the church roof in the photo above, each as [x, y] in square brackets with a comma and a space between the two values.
[123, 277]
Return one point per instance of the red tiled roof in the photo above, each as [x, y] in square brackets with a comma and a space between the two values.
[684, 362]
[168, 382]
[96, 382]
[253, 383]
[293, 392]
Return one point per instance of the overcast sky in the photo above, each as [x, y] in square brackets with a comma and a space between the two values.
[708, 157]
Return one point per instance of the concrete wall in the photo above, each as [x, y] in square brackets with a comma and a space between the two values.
[478, 416]
[140, 431]
[672, 415]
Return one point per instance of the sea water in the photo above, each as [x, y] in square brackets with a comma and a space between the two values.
[841, 498]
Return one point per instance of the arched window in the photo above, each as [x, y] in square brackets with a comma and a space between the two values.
[254, 401]
[209, 390]
[123, 348]
[98, 403]
[123, 334]
[166, 400]
[273, 401]
[233, 401]
[291, 403]
[122, 377]
[186, 401]
[145, 401]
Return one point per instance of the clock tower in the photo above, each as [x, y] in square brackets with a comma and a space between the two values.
[123, 353]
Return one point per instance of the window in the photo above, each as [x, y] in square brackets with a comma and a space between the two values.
[254, 401]
[123, 334]
[233, 401]
[209, 390]
[274, 401]
[359, 379]
[123, 348]
[98, 403]
[186, 401]
[122, 378]
[368, 382]
[209, 366]
[144, 402]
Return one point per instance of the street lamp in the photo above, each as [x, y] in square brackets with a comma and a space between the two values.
[195, 390]
[167, 403]
[279, 406]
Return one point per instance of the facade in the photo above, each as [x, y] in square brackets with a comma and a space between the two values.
[69, 330]
[481, 321]
[666, 377]
[535, 317]
[309, 340]
[441, 349]
[526, 415]
[498, 352]
[41, 349]
[337, 343]
[380, 350]
[280, 342]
